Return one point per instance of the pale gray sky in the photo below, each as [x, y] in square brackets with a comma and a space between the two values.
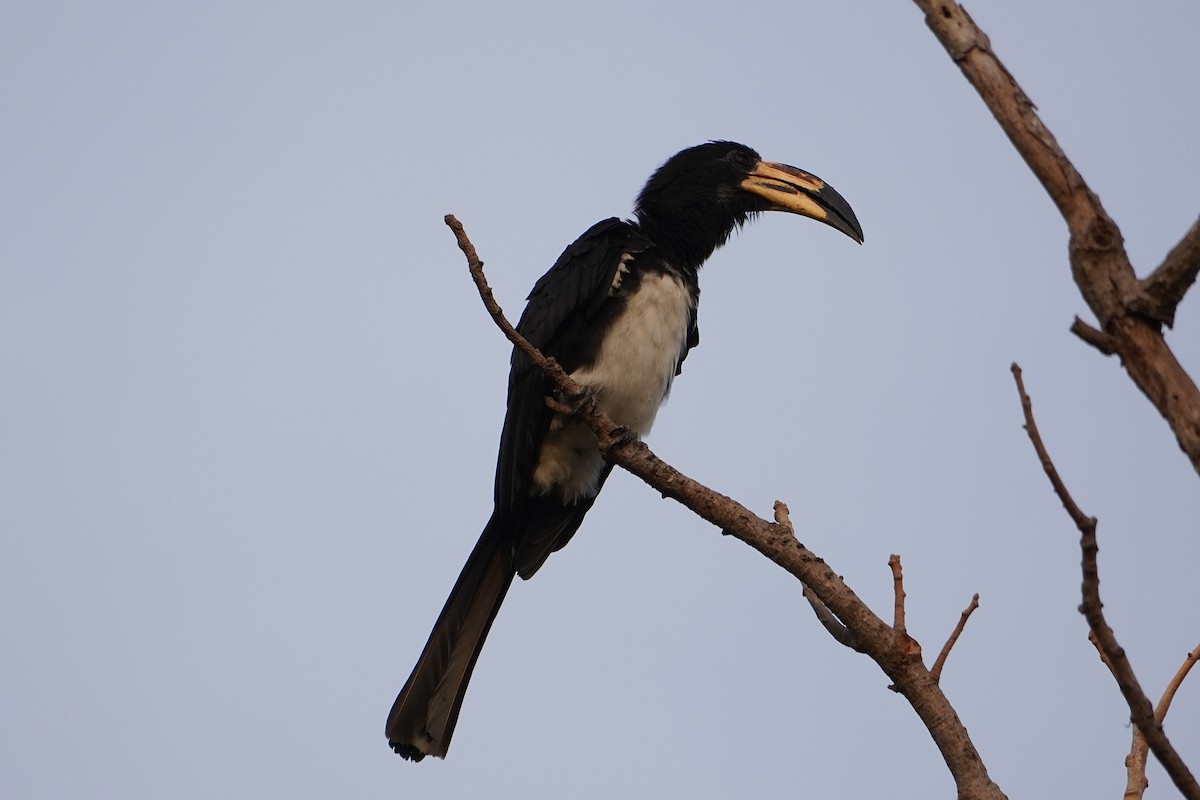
[251, 402]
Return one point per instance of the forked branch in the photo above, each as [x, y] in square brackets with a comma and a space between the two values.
[1135, 762]
[1130, 312]
[1111, 651]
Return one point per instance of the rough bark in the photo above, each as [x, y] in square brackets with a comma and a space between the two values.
[1130, 312]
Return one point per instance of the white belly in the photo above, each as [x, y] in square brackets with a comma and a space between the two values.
[630, 378]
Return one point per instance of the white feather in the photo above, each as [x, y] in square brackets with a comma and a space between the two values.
[630, 377]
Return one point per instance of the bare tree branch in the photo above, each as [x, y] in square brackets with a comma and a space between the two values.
[1106, 641]
[1081, 520]
[1129, 312]
[1135, 762]
[1096, 338]
[1163, 289]
[958, 629]
[1100, 651]
[898, 591]
[840, 633]
[1164, 703]
[891, 650]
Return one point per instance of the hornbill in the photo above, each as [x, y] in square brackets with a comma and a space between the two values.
[618, 312]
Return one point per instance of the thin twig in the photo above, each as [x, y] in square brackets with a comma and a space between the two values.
[565, 383]
[1082, 521]
[958, 629]
[904, 643]
[1164, 704]
[898, 591]
[1141, 712]
[1093, 336]
[840, 633]
[783, 517]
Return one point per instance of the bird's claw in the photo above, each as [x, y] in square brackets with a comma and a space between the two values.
[570, 405]
[620, 435]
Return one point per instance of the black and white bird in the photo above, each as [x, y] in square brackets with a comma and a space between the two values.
[618, 312]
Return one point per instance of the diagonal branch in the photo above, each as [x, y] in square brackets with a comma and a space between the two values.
[1111, 651]
[833, 626]
[1135, 762]
[891, 650]
[840, 633]
[1130, 313]
[1106, 280]
[1163, 289]
[958, 629]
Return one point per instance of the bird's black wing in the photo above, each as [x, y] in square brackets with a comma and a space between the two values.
[693, 334]
[560, 314]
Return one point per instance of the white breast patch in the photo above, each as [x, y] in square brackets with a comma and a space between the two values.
[630, 378]
[639, 356]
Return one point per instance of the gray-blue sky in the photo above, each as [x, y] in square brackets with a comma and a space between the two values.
[251, 401]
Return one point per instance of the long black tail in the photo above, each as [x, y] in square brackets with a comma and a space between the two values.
[424, 714]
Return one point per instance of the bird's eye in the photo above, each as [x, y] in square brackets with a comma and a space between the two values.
[740, 159]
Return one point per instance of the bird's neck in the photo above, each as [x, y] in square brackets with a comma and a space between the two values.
[686, 242]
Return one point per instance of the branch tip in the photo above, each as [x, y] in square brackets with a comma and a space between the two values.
[1094, 336]
[936, 671]
[898, 588]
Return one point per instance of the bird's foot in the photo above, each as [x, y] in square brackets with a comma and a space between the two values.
[618, 436]
[571, 405]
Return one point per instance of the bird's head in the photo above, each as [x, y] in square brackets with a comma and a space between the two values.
[694, 201]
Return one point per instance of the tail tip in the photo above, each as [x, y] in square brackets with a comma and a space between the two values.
[407, 750]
